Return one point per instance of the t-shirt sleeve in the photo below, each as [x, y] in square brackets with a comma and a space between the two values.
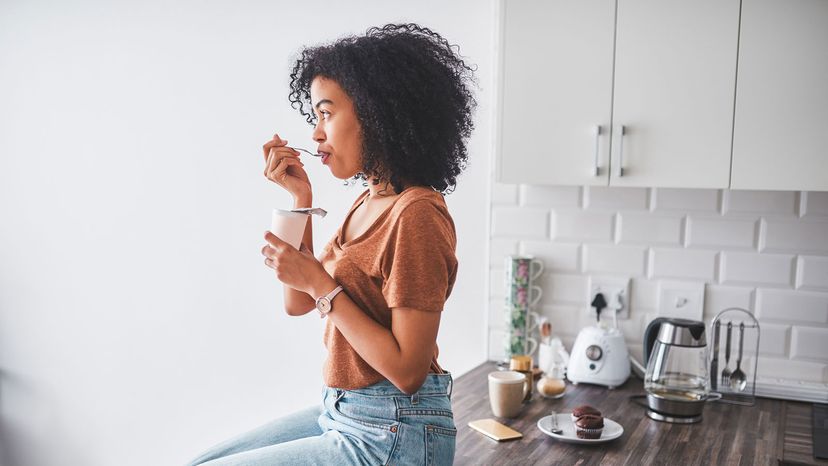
[419, 264]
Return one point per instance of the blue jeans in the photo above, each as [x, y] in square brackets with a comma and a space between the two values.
[374, 425]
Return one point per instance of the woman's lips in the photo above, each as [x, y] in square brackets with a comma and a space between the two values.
[325, 156]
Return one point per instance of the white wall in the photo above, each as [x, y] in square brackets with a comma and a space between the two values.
[138, 324]
[765, 251]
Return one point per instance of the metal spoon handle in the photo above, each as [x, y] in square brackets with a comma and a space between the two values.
[741, 343]
[727, 343]
[306, 151]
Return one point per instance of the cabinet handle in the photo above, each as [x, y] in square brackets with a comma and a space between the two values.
[621, 152]
[596, 131]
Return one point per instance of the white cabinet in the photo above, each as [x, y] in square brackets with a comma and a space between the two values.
[663, 70]
[556, 90]
[781, 123]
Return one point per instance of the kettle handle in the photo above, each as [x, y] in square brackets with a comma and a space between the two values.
[650, 336]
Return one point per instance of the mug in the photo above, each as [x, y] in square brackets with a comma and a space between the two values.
[519, 343]
[506, 392]
[523, 269]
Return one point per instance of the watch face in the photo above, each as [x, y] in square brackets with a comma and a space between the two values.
[324, 305]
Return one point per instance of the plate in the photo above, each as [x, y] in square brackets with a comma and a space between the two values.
[612, 429]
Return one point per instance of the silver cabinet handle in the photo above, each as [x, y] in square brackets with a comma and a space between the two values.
[621, 152]
[596, 131]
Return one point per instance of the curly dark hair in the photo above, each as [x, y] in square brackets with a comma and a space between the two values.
[410, 94]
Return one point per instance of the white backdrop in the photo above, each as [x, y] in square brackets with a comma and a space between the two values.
[138, 324]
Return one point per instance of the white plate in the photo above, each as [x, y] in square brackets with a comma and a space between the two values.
[612, 429]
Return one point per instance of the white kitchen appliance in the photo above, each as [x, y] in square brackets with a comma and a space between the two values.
[599, 356]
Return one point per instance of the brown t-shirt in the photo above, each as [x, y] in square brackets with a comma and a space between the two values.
[405, 259]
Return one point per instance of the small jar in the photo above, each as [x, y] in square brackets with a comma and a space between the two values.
[523, 363]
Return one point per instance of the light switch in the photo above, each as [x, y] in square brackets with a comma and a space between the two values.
[684, 300]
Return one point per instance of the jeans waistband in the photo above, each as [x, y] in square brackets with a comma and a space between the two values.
[435, 384]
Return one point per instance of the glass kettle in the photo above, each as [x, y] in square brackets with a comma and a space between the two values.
[677, 379]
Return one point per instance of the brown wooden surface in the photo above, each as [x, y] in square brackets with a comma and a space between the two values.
[797, 442]
[728, 434]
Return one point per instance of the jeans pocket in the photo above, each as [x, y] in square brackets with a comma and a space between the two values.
[439, 445]
[364, 413]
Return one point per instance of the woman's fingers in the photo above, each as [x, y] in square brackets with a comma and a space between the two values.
[279, 172]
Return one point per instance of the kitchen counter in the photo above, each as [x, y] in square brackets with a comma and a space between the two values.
[770, 432]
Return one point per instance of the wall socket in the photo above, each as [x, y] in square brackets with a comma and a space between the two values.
[616, 291]
[681, 299]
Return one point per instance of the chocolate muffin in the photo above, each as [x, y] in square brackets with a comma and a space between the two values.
[584, 410]
[589, 426]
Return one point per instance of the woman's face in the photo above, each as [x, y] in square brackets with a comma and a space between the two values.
[337, 131]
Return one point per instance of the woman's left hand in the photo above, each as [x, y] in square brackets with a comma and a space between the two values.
[297, 269]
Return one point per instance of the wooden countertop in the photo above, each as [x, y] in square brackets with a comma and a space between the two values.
[762, 434]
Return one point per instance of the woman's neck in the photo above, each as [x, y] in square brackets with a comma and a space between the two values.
[376, 190]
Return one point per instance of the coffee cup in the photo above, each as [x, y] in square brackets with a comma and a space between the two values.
[507, 390]
[289, 226]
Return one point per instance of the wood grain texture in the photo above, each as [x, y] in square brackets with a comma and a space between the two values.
[728, 434]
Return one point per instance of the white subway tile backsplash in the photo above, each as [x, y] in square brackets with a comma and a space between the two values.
[583, 226]
[598, 197]
[499, 249]
[816, 203]
[643, 294]
[650, 229]
[567, 319]
[498, 318]
[722, 233]
[803, 236]
[792, 370]
[687, 200]
[761, 202]
[556, 257]
[809, 343]
[497, 345]
[504, 194]
[564, 289]
[621, 260]
[551, 196]
[773, 339]
[520, 222]
[684, 263]
[497, 282]
[792, 306]
[755, 268]
[766, 252]
[719, 297]
[812, 273]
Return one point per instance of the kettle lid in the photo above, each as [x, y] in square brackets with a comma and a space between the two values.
[682, 332]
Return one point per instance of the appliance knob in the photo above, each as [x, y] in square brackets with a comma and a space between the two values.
[593, 352]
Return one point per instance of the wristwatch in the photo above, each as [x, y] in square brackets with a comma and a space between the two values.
[323, 303]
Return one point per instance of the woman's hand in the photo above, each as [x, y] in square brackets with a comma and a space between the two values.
[297, 269]
[283, 167]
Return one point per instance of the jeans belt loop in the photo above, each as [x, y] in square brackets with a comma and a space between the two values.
[415, 398]
[450, 385]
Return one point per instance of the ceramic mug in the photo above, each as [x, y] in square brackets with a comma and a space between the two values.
[506, 392]
[523, 269]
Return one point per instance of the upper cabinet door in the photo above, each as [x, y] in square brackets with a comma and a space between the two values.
[675, 76]
[556, 90]
[779, 139]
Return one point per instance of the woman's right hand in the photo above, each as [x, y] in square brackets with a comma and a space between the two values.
[283, 167]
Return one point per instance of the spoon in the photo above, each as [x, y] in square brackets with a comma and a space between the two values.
[555, 429]
[726, 370]
[738, 380]
[306, 151]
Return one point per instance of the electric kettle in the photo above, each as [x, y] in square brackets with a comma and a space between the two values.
[677, 380]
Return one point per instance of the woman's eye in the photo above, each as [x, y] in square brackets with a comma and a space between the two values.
[324, 114]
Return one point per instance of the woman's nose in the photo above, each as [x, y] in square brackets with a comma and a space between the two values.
[318, 134]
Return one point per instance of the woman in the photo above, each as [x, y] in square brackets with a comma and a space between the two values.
[391, 108]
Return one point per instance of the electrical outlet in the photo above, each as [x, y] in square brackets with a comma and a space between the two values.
[616, 291]
[684, 300]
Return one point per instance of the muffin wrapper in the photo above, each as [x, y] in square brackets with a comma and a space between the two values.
[593, 433]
